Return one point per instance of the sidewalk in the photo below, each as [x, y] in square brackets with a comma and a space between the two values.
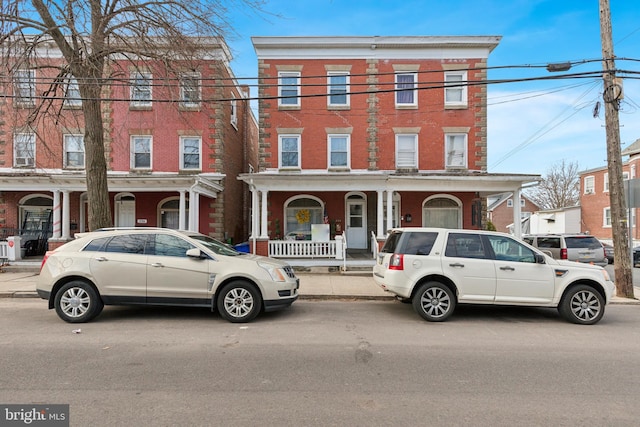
[312, 286]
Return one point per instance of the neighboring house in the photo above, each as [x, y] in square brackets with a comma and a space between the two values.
[500, 210]
[174, 146]
[594, 196]
[370, 133]
[563, 220]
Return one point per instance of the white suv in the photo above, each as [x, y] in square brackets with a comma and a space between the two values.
[159, 266]
[436, 269]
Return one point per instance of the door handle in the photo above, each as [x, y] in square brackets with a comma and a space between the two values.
[507, 268]
[101, 259]
[457, 264]
[157, 264]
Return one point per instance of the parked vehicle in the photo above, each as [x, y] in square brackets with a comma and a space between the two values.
[437, 269]
[608, 250]
[573, 247]
[159, 266]
[636, 256]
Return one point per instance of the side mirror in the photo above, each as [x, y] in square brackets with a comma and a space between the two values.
[540, 259]
[195, 253]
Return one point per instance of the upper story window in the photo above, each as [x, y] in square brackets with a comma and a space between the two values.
[338, 85]
[24, 150]
[190, 91]
[234, 113]
[510, 203]
[24, 84]
[455, 89]
[406, 151]
[141, 152]
[289, 88]
[72, 96]
[589, 185]
[141, 89]
[190, 147]
[339, 151]
[456, 150]
[289, 148]
[74, 151]
[406, 92]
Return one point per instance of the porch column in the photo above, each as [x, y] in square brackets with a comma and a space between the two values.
[56, 214]
[193, 209]
[255, 208]
[380, 215]
[182, 211]
[517, 222]
[389, 211]
[66, 215]
[264, 232]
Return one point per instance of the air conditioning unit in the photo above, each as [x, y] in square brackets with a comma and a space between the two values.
[588, 192]
[24, 161]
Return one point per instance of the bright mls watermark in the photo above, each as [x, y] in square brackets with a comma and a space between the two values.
[34, 415]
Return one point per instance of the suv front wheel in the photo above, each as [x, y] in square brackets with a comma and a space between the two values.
[582, 304]
[434, 301]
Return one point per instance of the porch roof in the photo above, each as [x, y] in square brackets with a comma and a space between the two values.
[206, 184]
[481, 182]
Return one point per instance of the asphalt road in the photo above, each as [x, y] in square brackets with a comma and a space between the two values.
[324, 363]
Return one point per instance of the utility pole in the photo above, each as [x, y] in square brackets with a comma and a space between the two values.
[611, 94]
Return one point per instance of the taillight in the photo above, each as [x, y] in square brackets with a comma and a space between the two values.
[44, 259]
[563, 254]
[396, 262]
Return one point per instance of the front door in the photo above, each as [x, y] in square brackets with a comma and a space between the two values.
[126, 212]
[356, 224]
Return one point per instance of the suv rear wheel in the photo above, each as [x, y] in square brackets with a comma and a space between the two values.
[582, 304]
[77, 302]
[434, 301]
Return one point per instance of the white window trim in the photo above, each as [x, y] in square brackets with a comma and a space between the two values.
[133, 153]
[589, 184]
[398, 90]
[298, 137]
[140, 102]
[183, 101]
[30, 99]
[464, 102]
[606, 182]
[182, 141]
[415, 151]
[29, 161]
[234, 113]
[465, 160]
[604, 217]
[329, 152]
[346, 85]
[282, 101]
[66, 151]
[68, 101]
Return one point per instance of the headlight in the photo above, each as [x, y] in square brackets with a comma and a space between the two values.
[276, 273]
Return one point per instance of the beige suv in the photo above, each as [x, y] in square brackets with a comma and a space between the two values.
[159, 266]
[436, 269]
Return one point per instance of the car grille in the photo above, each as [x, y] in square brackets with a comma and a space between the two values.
[289, 270]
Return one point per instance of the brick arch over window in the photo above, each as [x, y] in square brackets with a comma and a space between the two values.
[442, 210]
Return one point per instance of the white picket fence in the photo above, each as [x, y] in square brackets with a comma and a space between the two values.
[4, 251]
[307, 249]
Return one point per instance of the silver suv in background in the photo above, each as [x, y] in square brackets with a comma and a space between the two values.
[572, 247]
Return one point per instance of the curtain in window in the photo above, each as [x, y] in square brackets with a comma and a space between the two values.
[405, 81]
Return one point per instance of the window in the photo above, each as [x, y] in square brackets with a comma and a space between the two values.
[300, 214]
[510, 203]
[141, 89]
[606, 217]
[25, 87]
[74, 151]
[190, 90]
[589, 185]
[465, 245]
[72, 96]
[167, 245]
[190, 152]
[606, 182]
[24, 150]
[234, 113]
[288, 89]
[406, 93]
[338, 84]
[339, 151]
[141, 152]
[456, 150]
[289, 151]
[420, 243]
[455, 90]
[127, 244]
[507, 249]
[406, 151]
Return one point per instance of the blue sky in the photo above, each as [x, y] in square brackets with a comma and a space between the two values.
[532, 125]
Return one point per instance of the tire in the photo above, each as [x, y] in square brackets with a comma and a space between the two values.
[583, 305]
[77, 302]
[434, 301]
[239, 302]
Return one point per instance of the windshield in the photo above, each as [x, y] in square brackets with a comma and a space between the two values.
[215, 246]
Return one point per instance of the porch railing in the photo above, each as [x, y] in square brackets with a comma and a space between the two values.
[4, 251]
[307, 249]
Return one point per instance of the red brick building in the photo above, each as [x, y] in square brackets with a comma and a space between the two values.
[500, 210]
[369, 133]
[594, 196]
[175, 142]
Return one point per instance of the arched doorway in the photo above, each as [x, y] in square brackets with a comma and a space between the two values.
[442, 211]
[169, 213]
[300, 212]
[356, 220]
[35, 213]
[125, 210]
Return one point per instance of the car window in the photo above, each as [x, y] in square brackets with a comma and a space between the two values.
[588, 242]
[391, 243]
[549, 242]
[506, 249]
[215, 246]
[128, 244]
[420, 243]
[96, 245]
[529, 240]
[465, 245]
[168, 245]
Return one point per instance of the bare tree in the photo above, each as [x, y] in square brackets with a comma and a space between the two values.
[90, 34]
[559, 188]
